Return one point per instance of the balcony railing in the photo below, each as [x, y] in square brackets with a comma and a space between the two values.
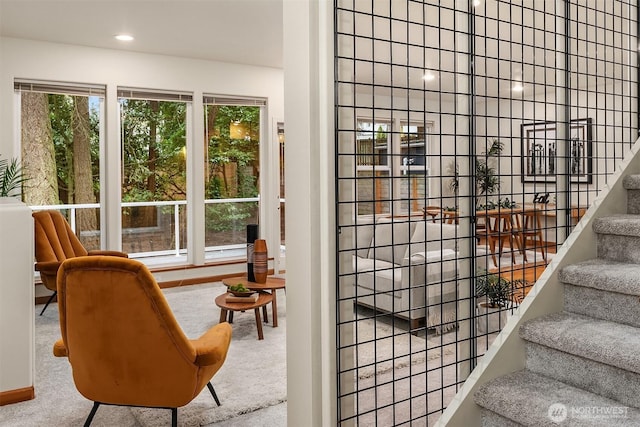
[156, 229]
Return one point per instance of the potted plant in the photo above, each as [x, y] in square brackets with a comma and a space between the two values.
[11, 177]
[487, 178]
[494, 297]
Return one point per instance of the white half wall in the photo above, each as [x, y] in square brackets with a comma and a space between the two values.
[17, 348]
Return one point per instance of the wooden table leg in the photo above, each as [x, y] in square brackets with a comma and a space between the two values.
[274, 309]
[264, 314]
[231, 316]
[259, 323]
[223, 315]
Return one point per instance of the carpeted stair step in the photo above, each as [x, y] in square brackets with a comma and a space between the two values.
[596, 355]
[632, 184]
[593, 287]
[525, 397]
[618, 237]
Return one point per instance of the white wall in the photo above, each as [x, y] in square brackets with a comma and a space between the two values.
[611, 134]
[16, 297]
[310, 178]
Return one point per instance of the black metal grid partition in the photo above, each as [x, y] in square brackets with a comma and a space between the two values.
[471, 136]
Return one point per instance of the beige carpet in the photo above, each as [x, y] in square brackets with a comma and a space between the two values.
[253, 377]
[381, 347]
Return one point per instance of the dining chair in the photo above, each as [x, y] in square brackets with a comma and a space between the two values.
[500, 227]
[432, 211]
[530, 232]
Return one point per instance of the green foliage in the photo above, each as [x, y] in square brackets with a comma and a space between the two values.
[153, 153]
[487, 178]
[154, 135]
[11, 177]
[497, 289]
[232, 164]
[233, 159]
[501, 203]
[61, 118]
[229, 216]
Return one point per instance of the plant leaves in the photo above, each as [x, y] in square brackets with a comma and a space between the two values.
[11, 177]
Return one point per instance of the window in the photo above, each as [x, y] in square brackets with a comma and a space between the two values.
[281, 140]
[233, 129]
[372, 157]
[61, 139]
[414, 143]
[372, 143]
[391, 148]
[154, 181]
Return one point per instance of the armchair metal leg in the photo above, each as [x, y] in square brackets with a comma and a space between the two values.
[49, 302]
[213, 393]
[174, 417]
[87, 423]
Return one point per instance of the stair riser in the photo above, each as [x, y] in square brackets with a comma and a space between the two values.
[619, 248]
[491, 419]
[597, 303]
[633, 201]
[604, 380]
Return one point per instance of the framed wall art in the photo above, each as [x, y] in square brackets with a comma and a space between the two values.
[540, 152]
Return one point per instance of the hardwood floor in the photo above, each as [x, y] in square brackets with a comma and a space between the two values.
[522, 275]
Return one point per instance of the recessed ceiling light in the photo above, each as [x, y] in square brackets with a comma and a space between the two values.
[517, 87]
[124, 37]
[476, 3]
[428, 76]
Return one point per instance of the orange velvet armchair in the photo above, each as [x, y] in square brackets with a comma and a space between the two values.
[55, 242]
[124, 345]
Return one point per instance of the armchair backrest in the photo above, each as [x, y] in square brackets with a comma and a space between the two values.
[391, 239]
[122, 340]
[428, 236]
[55, 241]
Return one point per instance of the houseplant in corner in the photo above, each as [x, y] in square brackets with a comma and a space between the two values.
[486, 175]
[493, 294]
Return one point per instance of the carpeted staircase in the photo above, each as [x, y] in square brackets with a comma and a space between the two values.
[582, 364]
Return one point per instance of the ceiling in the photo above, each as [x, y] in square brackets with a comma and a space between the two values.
[236, 31]
[250, 32]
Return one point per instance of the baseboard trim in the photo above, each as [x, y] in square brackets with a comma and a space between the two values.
[43, 299]
[14, 396]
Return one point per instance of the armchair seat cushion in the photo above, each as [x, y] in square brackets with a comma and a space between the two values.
[377, 276]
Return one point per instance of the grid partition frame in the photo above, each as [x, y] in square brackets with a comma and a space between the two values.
[452, 181]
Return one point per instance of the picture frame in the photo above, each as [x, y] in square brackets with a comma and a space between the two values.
[539, 152]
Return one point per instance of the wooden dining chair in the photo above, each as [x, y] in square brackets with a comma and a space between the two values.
[530, 232]
[431, 211]
[500, 228]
